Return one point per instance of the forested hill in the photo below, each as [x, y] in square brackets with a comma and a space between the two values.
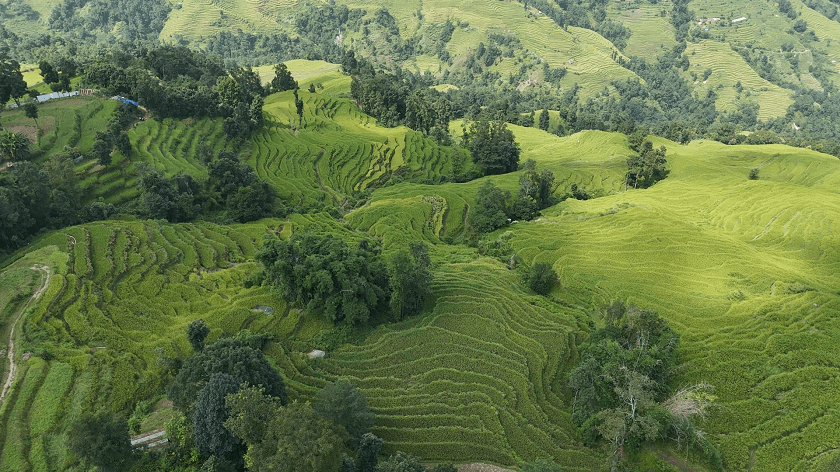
[709, 67]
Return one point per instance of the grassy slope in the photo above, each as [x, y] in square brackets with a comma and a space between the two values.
[729, 68]
[722, 258]
[743, 269]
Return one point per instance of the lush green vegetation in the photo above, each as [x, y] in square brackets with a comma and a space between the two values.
[734, 245]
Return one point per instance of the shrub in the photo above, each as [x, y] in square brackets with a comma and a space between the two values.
[754, 173]
[542, 278]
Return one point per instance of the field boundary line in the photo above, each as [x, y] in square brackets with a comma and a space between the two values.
[10, 378]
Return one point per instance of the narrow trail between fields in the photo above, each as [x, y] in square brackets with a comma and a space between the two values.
[10, 377]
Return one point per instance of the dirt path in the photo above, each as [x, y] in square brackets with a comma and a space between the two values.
[10, 378]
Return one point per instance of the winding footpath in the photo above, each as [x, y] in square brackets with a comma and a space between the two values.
[10, 378]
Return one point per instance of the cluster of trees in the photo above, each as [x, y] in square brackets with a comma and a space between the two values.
[620, 387]
[58, 78]
[12, 85]
[349, 285]
[646, 168]
[400, 99]
[177, 82]
[127, 20]
[494, 208]
[35, 197]
[231, 189]
[492, 147]
[115, 135]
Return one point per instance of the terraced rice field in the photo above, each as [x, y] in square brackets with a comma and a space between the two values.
[120, 292]
[338, 151]
[476, 379]
[744, 270]
[651, 35]
[67, 122]
[729, 68]
[196, 18]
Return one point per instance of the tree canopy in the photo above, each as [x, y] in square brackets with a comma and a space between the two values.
[226, 356]
[211, 412]
[621, 383]
[102, 440]
[291, 439]
[343, 404]
[492, 147]
[410, 279]
[327, 276]
[648, 167]
[490, 209]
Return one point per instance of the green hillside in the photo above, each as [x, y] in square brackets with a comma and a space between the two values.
[736, 248]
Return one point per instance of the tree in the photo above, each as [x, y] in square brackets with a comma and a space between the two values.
[102, 148]
[490, 209]
[754, 173]
[283, 79]
[492, 147]
[542, 278]
[31, 111]
[539, 186]
[48, 72]
[648, 167]
[622, 377]
[14, 146]
[211, 412]
[197, 332]
[367, 454]
[12, 85]
[326, 275]
[294, 439]
[64, 194]
[410, 279]
[253, 202]
[343, 404]
[299, 109]
[226, 356]
[544, 119]
[102, 440]
[312, 88]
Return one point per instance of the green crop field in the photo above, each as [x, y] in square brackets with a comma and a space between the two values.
[729, 68]
[338, 151]
[745, 270]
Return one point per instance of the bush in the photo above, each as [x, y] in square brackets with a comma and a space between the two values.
[542, 278]
[754, 173]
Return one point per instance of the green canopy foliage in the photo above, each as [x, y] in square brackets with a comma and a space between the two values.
[209, 416]
[283, 79]
[622, 377]
[648, 167]
[343, 404]
[102, 440]
[226, 356]
[410, 279]
[492, 147]
[292, 439]
[197, 332]
[490, 209]
[327, 276]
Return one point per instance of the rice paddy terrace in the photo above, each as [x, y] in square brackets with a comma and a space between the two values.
[744, 270]
[336, 151]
